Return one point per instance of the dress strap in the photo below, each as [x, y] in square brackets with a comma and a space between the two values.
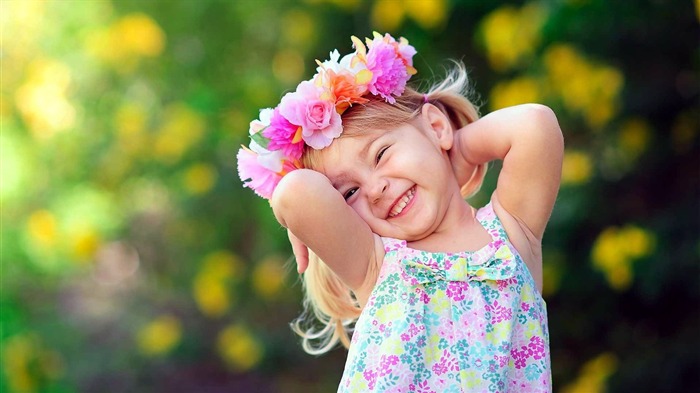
[490, 221]
[486, 214]
[391, 244]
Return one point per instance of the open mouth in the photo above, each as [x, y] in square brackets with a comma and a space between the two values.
[401, 204]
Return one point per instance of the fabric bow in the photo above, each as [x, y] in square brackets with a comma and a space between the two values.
[497, 264]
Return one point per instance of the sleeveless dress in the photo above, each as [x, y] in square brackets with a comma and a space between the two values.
[451, 322]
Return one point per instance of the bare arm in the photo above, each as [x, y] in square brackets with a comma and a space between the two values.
[306, 203]
[529, 141]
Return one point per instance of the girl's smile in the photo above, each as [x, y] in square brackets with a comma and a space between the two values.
[403, 204]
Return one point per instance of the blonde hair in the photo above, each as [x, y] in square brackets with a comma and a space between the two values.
[327, 298]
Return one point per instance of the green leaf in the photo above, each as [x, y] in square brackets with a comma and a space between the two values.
[260, 139]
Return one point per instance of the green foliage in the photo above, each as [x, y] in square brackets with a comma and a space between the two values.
[133, 258]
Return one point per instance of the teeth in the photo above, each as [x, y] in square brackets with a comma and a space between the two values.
[401, 204]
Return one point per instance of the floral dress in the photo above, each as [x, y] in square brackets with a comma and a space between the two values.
[452, 322]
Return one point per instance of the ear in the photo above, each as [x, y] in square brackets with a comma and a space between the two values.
[437, 124]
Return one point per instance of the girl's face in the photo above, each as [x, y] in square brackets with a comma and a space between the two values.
[400, 181]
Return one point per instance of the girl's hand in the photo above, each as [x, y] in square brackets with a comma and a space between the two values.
[463, 169]
[301, 252]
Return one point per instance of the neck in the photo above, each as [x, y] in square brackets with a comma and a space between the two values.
[458, 231]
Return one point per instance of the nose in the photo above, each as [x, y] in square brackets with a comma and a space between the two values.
[378, 189]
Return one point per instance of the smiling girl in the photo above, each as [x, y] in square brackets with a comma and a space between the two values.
[444, 297]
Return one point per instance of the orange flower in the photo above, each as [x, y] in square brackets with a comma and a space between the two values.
[345, 89]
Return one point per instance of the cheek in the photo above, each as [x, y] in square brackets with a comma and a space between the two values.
[365, 214]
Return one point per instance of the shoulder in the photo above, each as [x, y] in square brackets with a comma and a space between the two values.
[521, 237]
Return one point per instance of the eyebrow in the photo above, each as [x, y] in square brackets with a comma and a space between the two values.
[344, 176]
[365, 150]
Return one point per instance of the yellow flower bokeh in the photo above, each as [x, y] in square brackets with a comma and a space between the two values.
[223, 264]
[182, 127]
[239, 349]
[52, 242]
[584, 87]
[616, 249]
[26, 20]
[42, 228]
[42, 98]
[199, 178]
[520, 90]
[140, 34]
[27, 364]
[268, 277]
[84, 244]
[428, 14]
[130, 122]
[129, 39]
[68, 233]
[211, 294]
[634, 137]
[211, 284]
[388, 15]
[577, 168]
[594, 374]
[298, 29]
[511, 36]
[288, 66]
[159, 336]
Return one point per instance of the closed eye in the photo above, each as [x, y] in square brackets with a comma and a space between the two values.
[381, 153]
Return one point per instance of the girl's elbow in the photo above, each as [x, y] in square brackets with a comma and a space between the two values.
[541, 114]
[545, 120]
[284, 196]
[293, 192]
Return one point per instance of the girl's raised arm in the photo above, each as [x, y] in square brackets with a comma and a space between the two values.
[308, 205]
[529, 141]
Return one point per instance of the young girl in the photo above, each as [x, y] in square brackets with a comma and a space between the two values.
[444, 297]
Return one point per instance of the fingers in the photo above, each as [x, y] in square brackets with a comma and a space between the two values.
[301, 252]
[302, 255]
[463, 170]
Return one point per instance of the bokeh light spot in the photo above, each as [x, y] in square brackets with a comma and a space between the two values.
[159, 336]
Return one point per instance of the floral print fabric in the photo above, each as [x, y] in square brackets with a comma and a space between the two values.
[452, 322]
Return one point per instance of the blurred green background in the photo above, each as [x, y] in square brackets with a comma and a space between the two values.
[134, 261]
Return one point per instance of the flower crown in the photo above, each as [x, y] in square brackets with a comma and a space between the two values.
[311, 114]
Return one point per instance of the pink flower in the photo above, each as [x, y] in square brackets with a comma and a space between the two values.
[406, 52]
[536, 345]
[455, 291]
[370, 377]
[263, 179]
[284, 136]
[391, 64]
[318, 118]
